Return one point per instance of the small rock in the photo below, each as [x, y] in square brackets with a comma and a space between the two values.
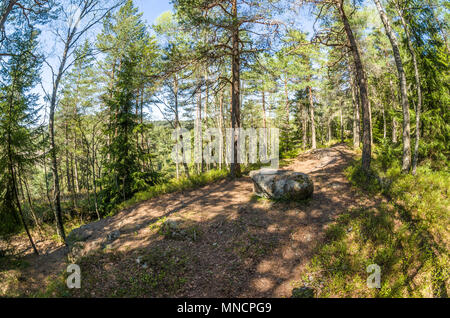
[336, 186]
[173, 224]
[114, 235]
[76, 251]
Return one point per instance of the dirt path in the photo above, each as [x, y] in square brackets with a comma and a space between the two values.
[247, 247]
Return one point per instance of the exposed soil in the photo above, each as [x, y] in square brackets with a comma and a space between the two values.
[247, 247]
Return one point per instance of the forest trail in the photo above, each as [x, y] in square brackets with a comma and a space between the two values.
[246, 247]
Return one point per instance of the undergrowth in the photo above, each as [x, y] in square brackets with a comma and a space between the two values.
[407, 236]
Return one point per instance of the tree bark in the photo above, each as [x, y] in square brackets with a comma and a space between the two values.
[418, 87]
[304, 126]
[235, 90]
[311, 114]
[54, 161]
[342, 123]
[362, 84]
[33, 213]
[14, 181]
[264, 115]
[356, 117]
[406, 160]
[177, 123]
[221, 128]
[6, 13]
[198, 133]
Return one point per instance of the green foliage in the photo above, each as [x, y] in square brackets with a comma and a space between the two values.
[18, 124]
[406, 238]
[123, 176]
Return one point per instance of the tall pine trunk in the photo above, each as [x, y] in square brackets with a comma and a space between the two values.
[51, 128]
[311, 114]
[356, 117]
[235, 90]
[363, 91]
[406, 160]
[418, 88]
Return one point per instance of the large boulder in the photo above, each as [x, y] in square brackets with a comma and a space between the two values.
[282, 184]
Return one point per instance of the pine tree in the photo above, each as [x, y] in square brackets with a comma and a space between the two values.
[18, 131]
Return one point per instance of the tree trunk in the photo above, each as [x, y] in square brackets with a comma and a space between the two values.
[235, 90]
[177, 123]
[264, 115]
[342, 123]
[356, 117]
[304, 126]
[418, 87]
[54, 161]
[6, 13]
[286, 97]
[221, 129]
[15, 191]
[33, 213]
[94, 181]
[362, 84]
[406, 161]
[19, 207]
[206, 109]
[313, 125]
[394, 130]
[198, 133]
[330, 119]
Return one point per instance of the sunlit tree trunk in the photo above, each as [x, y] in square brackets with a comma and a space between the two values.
[418, 88]
[362, 84]
[235, 89]
[311, 114]
[356, 117]
[406, 161]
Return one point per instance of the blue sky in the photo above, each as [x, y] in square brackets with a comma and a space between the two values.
[152, 8]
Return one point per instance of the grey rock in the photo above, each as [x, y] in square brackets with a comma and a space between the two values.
[112, 236]
[282, 184]
[171, 224]
[177, 230]
[76, 252]
[80, 234]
